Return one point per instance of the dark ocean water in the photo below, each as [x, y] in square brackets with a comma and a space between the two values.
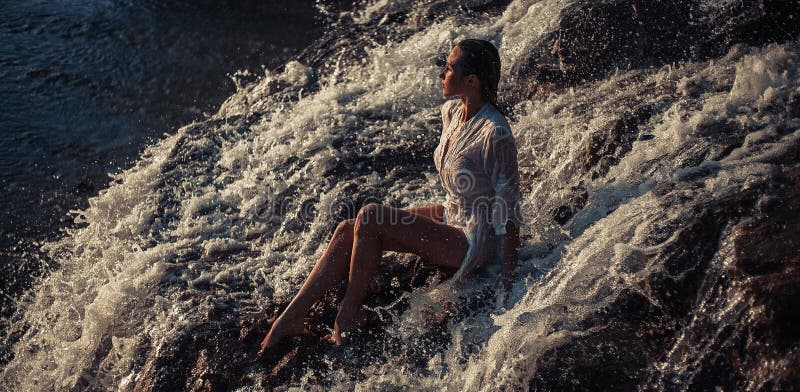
[87, 84]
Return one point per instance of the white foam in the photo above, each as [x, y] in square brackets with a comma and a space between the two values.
[171, 226]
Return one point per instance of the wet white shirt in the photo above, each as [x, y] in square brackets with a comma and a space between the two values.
[480, 177]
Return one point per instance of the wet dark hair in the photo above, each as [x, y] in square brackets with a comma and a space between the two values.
[480, 57]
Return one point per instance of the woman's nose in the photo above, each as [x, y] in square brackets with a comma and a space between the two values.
[441, 75]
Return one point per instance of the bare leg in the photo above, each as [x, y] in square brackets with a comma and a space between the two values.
[330, 269]
[379, 228]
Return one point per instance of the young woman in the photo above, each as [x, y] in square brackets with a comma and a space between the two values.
[477, 164]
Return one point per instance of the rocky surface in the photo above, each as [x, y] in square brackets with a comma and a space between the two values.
[633, 333]
[703, 296]
[595, 39]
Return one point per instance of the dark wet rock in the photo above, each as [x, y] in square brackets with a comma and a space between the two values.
[604, 149]
[348, 40]
[564, 212]
[751, 22]
[595, 39]
[686, 261]
[205, 380]
[601, 150]
[616, 356]
[722, 139]
[613, 359]
[771, 244]
[633, 331]
[411, 156]
[793, 106]
[767, 253]
[167, 367]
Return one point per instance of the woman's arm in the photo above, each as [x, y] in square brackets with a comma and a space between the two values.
[510, 255]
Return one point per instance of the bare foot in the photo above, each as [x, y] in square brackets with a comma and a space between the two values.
[333, 338]
[282, 328]
[341, 329]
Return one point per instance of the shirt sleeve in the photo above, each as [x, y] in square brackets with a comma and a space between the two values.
[501, 167]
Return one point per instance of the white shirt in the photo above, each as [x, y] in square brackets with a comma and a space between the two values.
[480, 177]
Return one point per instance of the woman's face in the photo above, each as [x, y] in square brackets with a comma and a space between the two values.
[453, 81]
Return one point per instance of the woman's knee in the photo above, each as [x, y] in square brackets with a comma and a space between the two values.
[345, 228]
[369, 217]
[369, 213]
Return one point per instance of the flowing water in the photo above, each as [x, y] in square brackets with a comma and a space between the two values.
[229, 215]
[87, 84]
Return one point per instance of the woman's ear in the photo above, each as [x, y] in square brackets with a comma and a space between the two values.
[472, 80]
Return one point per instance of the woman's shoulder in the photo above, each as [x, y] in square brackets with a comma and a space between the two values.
[495, 126]
[497, 119]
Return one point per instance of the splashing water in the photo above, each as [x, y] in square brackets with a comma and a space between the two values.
[230, 214]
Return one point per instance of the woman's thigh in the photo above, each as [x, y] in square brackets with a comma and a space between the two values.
[433, 212]
[405, 231]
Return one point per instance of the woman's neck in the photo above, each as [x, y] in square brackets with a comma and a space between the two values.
[471, 106]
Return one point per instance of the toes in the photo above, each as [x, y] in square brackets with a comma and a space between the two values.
[333, 339]
[328, 339]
